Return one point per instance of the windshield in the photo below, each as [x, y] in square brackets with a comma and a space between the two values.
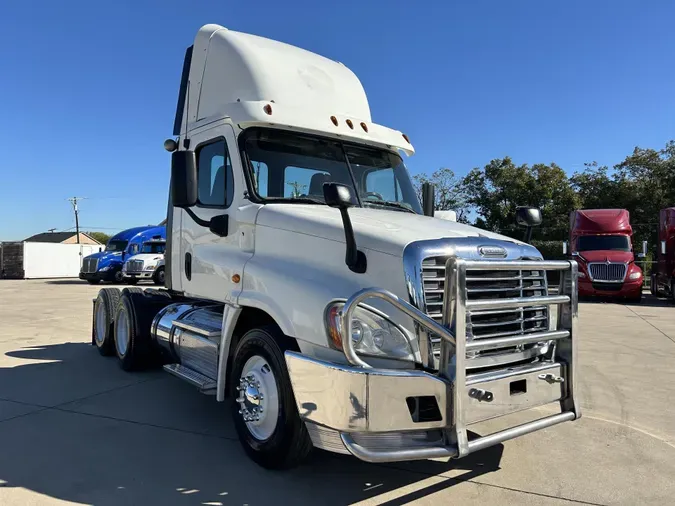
[153, 247]
[116, 245]
[288, 167]
[603, 242]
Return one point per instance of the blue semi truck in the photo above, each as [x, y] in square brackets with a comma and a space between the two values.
[107, 265]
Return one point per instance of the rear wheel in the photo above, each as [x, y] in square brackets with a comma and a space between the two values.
[133, 321]
[105, 307]
[264, 411]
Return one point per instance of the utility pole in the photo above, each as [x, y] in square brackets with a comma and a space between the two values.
[296, 188]
[73, 200]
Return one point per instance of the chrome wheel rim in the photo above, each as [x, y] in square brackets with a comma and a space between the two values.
[258, 398]
[101, 319]
[122, 332]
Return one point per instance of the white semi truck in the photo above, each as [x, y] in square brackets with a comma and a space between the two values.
[306, 286]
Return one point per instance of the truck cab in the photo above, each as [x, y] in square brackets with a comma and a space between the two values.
[306, 287]
[148, 264]
[663, 279]
[107, 265]
[601, 241]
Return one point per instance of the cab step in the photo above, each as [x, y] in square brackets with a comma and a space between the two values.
[205, 384]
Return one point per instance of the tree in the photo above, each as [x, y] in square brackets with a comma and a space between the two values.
[101, 237]
[449, 192]
[496, 190]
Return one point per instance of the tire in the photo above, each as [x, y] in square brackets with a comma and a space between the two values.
[652, 285]
[118, 277]
[93, 281]
[130, 281]
[105, 307]
[158, 276]
[133, 321]
[672, 291]
[280, 441]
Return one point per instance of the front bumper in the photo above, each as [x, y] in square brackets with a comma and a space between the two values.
[138, 275]
[108, 275]
[382, 415]
[628, 288]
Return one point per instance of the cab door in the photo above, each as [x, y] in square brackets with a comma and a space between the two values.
[209, 245]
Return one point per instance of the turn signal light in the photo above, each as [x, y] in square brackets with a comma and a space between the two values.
[350, 124]
[364, 126]
[334, 120]
[268, 109]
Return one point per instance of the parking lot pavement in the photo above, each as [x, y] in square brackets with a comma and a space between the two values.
[76, 429]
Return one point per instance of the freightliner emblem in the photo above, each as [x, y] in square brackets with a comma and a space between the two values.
[492, 251]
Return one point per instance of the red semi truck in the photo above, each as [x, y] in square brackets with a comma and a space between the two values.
[663, 279]
[600, 240]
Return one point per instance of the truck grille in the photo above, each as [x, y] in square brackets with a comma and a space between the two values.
[607, 271]
[89, 265]
[483, 324]
[135, 266]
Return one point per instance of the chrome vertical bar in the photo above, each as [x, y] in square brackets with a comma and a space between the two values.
[453, 355]
[566, 349]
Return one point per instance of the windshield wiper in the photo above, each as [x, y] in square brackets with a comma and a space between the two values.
[386, 203]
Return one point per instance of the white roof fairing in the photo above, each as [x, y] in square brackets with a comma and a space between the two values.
[236, 74]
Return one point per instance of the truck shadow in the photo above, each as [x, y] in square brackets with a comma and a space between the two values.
[75, 427]
[648, 300]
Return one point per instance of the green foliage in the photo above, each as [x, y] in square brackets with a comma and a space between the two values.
[643, 184]
[496, 190]
[449, 192]
[101, 237]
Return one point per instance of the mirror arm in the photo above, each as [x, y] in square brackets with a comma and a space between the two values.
[528, 234]
[355, 259]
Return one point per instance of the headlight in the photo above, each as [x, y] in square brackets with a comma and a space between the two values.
[372, 333]
[148, 267]
[635, 275]
[106, 268]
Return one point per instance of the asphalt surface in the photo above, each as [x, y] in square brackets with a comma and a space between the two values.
[76, 429]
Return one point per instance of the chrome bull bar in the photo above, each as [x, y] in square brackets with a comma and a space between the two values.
[372, 408]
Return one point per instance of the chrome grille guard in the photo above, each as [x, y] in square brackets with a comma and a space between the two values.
[454, 346]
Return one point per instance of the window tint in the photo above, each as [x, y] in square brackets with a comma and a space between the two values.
[299, 181]
[261, 178]
[384, 183]
[214, 175]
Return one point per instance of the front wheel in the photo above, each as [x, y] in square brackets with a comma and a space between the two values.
[158, 277]
[264, 411]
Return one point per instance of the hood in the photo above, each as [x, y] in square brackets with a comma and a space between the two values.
[147, 257]
[607, 255]
[380, 230]
[106, 255]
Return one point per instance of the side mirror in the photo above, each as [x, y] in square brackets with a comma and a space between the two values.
[341, 197]
[183, 178]
[528, 217]
[338, 195]
[564, 247]
[663, 247]
[644, 250]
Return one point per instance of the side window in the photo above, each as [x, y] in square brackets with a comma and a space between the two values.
[299, 181]
[133, 249]
[214, 175]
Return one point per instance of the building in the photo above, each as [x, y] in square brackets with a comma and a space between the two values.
[62, 238]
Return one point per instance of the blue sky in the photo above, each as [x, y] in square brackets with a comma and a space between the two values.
[88, 89]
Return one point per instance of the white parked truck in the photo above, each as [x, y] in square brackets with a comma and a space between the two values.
[147, 265]
[305, 285]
